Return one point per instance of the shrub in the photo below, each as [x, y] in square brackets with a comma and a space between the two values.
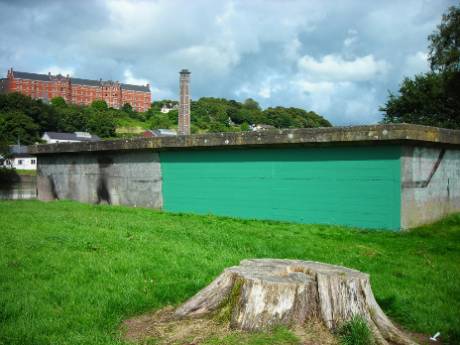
[355, 332]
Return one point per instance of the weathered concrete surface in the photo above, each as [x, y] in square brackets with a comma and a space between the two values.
[125, 178]
[24, 188]
[396, 133]
[430, 184]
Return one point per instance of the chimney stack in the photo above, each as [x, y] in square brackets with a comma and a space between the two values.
[184, 103]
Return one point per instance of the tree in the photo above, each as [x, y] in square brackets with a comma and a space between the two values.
[16, 126]
[99, 104]
[127, 108]
[251, 104]
[444, 48]
[58, 102]
[432, 98]
[101, 123]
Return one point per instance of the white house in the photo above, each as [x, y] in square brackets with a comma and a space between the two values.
[57, 137]
[19, 159]
[166, 108]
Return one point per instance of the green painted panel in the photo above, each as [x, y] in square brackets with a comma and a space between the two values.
[357, 186]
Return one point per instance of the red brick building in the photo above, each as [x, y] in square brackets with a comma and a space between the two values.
[76, 90]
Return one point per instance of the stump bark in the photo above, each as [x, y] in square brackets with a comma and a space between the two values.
[259, 294]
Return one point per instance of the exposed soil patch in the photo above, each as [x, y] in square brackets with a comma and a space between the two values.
[162, 328]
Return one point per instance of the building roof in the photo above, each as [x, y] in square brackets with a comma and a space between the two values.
[78, 81]
[31, 76]
[132, 87]
[77, 136]
[89, 82]
[163, 132]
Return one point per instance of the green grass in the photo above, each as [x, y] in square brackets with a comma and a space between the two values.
[70, 272]
[355, 332]
[26, 172]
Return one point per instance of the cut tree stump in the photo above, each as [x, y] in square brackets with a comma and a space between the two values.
[259, 294]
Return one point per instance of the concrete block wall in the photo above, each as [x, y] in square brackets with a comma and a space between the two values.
[430, 184]
[123, 178]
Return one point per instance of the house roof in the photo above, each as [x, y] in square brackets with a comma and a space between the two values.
[132, 87]
[163, 132]
[77, 136]
[89, 82]
[31, 76]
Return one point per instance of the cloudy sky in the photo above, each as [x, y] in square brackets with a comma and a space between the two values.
[338, 58]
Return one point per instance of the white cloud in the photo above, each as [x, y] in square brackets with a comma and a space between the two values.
[58, 70]
[352, 38]
[335, 68]
[416, 63]
[130, 79]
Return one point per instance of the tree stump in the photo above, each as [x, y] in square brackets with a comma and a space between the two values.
[259, 294]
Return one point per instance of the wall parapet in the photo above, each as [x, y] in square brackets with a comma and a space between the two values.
[327, 136]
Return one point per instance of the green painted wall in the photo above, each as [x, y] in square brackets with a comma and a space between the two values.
[357, 186]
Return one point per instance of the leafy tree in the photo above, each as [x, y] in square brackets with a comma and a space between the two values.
[251, 104]
[161, 121]
[99, 104]
[101, 123]
[16, 126]
[245, 126]
[432, 98]
[444, 48]
[43, 115]
[58, 102]
[73, 118]
[127, 108]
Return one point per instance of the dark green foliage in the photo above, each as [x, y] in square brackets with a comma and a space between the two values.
[444, 49]
[43, 115]
[102, 123]
[433, 98]
[221, 115]
[99, 105]
[15, 126]
[127, 108]
[355, 332]
[58, 102]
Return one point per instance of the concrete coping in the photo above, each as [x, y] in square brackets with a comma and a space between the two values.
[325, 136]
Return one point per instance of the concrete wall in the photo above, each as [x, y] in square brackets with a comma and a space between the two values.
[24, 187]
[124, 178]
[430, 184]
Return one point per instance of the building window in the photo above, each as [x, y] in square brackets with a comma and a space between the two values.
[32, 161]
[20, 162]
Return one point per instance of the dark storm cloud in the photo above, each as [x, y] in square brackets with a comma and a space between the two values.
[338, 58]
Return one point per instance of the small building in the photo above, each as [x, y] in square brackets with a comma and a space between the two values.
[160, 132]
[61, 137]
[166, 108]
[261, 127]
[19, 159]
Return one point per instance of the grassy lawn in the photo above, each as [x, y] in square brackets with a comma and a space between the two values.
[70, 273]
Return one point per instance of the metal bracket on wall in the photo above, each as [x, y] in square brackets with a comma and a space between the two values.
[425, 183]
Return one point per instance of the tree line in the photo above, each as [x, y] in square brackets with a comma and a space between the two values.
[25, 119]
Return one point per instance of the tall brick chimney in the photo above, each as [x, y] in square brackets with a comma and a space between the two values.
[184, 103]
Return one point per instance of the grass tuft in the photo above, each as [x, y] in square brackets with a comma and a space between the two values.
[355, 331]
